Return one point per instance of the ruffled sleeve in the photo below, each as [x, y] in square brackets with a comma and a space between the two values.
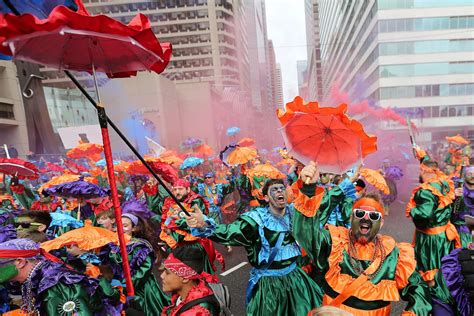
[242, 232]
[411, 286]
[307, 226]
[422, 210]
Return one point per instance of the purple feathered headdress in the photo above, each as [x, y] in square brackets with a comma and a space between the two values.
[136, 207]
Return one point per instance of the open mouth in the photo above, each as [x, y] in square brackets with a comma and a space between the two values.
[365, 227]
[280, 198]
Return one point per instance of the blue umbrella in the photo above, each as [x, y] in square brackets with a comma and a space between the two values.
[231, 131]
[191, 162]
[64, 220]
[102, 163]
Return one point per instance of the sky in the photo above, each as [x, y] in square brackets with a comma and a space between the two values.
[286, 28]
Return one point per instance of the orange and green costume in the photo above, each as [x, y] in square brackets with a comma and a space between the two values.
[392, 271]
[430, 208]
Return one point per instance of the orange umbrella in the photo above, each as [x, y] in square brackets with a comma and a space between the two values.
[458, 139]
[171, 157]
[326, 135]
[204, 149]
[87, 238]
[265, 170]
[86, 150]
[246, 142]
[65, 178]
[241, 155]
[376, 179]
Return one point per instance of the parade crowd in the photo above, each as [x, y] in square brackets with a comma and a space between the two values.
[312, 238]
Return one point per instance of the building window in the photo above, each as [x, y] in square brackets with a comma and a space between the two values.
[408, 4]
[426, 24]
[6, 111]
[427, 91]
[426, 69]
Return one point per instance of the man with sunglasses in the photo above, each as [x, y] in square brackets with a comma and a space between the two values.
[214, 193]
[33, 225]
[361, 271]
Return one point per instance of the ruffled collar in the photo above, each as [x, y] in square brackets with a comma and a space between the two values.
[48, 274]
[264, 217]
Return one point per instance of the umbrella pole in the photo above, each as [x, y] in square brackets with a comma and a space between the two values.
[127, 142]
[113, 189]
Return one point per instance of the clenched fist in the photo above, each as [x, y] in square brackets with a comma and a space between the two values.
[310, 173]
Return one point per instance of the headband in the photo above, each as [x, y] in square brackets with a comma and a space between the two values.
[369, 204]
[181, 183]
[34, 253]
[180, 269]
[132, 218]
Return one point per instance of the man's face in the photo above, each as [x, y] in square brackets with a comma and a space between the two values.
[170, 281]
[181, 192]
[209, 180]
[469, 177]
[106, 222]
[277, 196]
[324, 178]
[25, 225]
[366, 224]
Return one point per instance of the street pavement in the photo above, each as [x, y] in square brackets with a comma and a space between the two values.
[396, 225]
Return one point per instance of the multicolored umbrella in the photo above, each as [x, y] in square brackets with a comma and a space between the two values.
[457, 139]
[190, 143]
[86, 150]
[86, 238]
[327, 136]
[64, 179]
[204, 150]
[191, 162]
[241, 155]
[393, 173]
[103, 163]
[266, 170]
[19, 168]
[246, 142]
[231, 131]
[61, 219]
[165, 170]
[376, 179]
[78, 189]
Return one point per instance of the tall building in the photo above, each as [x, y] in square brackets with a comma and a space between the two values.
[203, 34]
[259, 53]
[313, 87]
[302, 73]
[13, 131]
[413, 55]
[278, 87]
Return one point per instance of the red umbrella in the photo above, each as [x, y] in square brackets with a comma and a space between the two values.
[74, 41]
[324, 135]
[81, 42]
[19, 168]
[165, 170]
[52, 167]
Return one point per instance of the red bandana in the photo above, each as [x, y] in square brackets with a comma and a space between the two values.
[180, 269]
[181, 183]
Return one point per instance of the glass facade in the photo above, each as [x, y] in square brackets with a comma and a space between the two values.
[68, 107]
[426, 24]
[426, 69]
[420, 91]
[442, 111]
[426, 47]
[410, 4]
